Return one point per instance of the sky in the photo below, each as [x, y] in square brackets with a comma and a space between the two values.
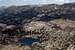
[32, 2]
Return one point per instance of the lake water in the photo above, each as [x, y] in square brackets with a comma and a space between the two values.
[27, 41]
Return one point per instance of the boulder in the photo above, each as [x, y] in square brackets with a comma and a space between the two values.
[11, 27]
[2, 26]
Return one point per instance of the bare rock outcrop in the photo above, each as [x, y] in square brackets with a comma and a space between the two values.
[36, 27]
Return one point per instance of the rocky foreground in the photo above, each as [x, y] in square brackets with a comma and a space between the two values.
[57, 34]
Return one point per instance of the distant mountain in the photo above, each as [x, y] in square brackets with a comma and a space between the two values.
[2, 7]
[19, 14]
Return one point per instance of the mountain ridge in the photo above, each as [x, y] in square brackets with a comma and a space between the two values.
[16, 14]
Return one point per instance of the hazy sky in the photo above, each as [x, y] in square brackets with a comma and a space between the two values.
[24, 2]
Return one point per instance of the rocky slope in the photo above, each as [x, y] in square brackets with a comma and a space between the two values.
[16, 14]
[51, 35]
[52, 25]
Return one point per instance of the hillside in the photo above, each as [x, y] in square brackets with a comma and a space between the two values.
[46, 27]
[16, 14]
